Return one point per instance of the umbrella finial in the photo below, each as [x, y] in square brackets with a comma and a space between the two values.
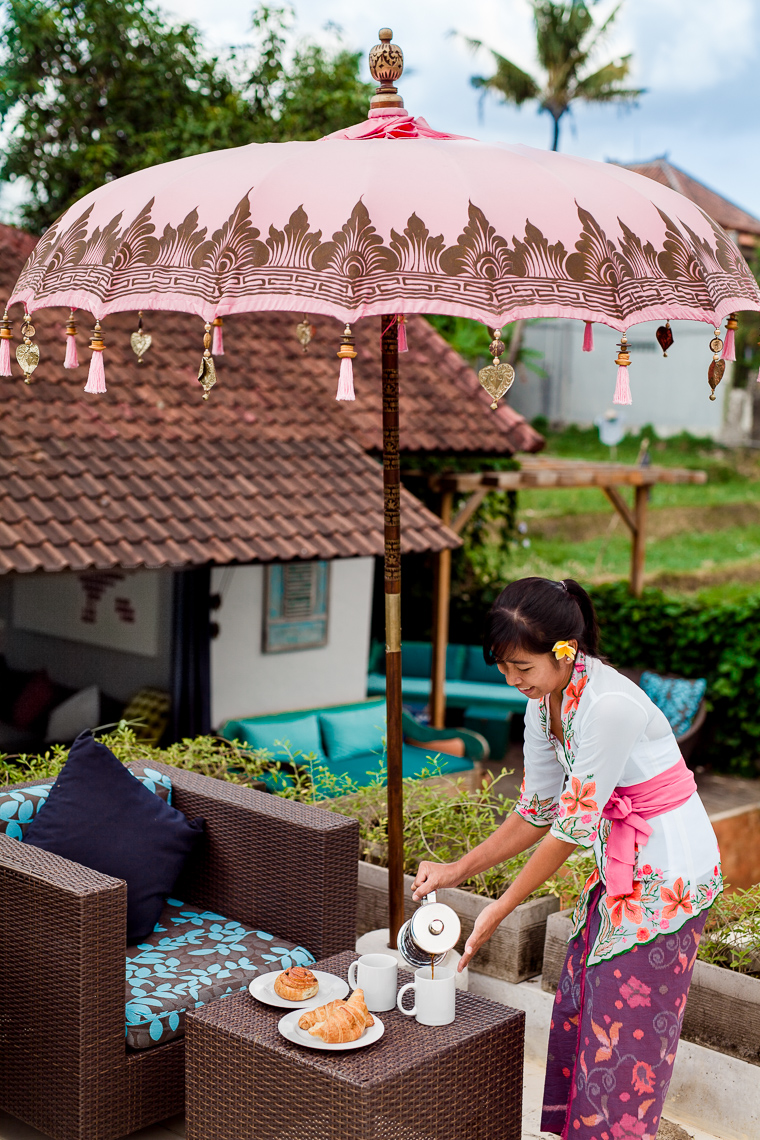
[386, 64]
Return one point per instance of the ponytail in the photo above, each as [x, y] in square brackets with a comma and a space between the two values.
[590, 640]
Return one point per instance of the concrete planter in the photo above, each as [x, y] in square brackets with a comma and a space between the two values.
[514, 953]
[723, 1009]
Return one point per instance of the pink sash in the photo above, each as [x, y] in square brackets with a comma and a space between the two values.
[629, 809]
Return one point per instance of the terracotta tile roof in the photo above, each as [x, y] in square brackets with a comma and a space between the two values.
[286, 499]
[721, 210]
[271, 467]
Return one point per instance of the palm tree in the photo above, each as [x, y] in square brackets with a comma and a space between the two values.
[566, 39]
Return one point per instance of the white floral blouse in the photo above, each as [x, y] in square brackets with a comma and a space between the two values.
[615, 737]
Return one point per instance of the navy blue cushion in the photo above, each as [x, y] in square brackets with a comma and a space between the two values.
[99, 815]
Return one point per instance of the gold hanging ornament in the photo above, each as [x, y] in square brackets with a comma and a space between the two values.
[496, 378]
[305, 333]
[27, 354]
[140, 341]
[718, 366]
[207, 371]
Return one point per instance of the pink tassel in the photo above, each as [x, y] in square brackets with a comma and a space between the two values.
[729, 347]
[72, 360]
[402, 345]
[758, 376]
[622, 388]
[5, 357]
[96, 379]
[346, 380]
[588, 338]
[217, 348]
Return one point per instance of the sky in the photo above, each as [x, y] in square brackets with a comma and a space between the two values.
[699, 61]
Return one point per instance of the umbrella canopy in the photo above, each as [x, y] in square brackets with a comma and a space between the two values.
[391, 216]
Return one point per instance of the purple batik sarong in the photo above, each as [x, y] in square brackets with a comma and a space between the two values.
[614, 1034]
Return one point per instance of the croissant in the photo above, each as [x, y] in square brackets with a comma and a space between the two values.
[312, 1016]
[346, 1021]
[296, 983]
[357, 1001]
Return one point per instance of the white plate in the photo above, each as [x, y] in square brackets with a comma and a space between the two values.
[330, 988]
[288, 1027]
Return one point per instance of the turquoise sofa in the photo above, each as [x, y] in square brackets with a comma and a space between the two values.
[479, 689]
[348, 740]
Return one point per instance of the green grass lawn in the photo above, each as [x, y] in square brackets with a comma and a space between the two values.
[702, 538]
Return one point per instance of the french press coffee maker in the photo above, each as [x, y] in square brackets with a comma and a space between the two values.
[430, 933]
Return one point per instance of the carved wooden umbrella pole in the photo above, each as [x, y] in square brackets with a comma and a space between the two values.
[386, 218]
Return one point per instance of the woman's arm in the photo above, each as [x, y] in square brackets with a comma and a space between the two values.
[512, 837]
[548, 858]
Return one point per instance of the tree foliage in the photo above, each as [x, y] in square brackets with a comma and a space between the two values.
[567, 40]
[91, 90]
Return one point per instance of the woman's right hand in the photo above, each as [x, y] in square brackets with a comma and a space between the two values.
[434, 876]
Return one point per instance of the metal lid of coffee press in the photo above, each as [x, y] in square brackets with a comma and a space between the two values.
[435, 927]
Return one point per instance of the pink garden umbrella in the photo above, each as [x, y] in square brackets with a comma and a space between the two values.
[389, 218]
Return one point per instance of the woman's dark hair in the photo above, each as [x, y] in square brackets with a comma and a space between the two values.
[532, 614]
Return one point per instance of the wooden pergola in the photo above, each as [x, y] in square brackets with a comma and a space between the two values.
[537, 471]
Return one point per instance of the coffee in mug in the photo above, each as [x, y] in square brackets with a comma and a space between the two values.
[377, 975]
[434, 997]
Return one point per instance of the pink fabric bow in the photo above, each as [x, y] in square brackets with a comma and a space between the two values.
[629, 809]
[392, 124]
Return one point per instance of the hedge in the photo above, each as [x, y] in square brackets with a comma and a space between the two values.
[720, 642]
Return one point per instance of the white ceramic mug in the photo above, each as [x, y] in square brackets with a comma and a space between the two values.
[377, 975]
[434, 997]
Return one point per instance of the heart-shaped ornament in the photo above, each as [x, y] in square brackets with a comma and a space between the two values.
[140, 342]
[664, 336]
[715, 375]
[497, 380]
[28, 356]
[207, 375]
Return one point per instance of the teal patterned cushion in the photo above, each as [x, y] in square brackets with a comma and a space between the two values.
[194, 956]
[678, 698]
[19, 806]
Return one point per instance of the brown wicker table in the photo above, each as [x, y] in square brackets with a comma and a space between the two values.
[244, 1081]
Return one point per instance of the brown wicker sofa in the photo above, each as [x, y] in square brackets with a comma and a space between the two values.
[64, 1067]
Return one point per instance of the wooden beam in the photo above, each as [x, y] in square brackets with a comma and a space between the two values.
[621, 507]
[441, 603]
[460, 520]
[638, 553]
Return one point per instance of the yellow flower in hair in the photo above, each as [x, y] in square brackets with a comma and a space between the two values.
[562, 649]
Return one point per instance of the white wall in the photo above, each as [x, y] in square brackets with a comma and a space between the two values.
[247, 682]
[671, 393]
[118, 673]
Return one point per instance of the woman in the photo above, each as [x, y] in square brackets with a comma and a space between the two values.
[602, 770]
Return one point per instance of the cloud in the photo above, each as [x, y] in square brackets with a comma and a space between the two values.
[698, 62]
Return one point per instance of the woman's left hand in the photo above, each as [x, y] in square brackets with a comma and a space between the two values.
[485, 924]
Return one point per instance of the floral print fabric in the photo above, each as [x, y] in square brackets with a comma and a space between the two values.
[614, 736]
[614, 1034]
[193, 957]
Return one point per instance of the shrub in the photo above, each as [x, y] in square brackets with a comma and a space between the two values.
[718, 641]
[732, 932]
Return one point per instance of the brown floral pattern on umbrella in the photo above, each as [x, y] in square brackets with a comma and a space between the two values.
[355, 267]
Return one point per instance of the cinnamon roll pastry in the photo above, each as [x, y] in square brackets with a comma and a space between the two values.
[296, 983]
